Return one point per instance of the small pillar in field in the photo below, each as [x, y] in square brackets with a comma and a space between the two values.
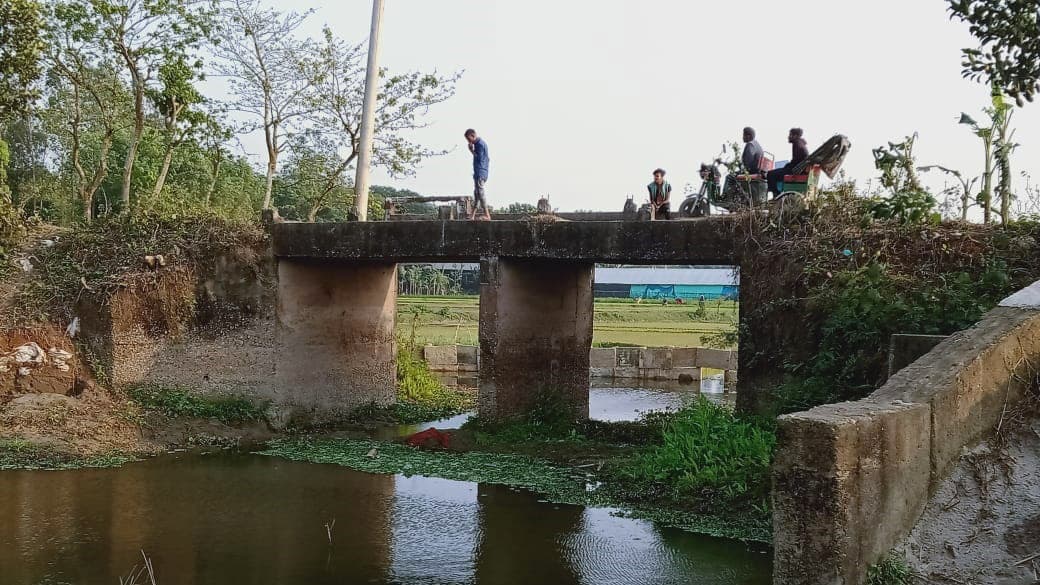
[335, 347]
[535, 335]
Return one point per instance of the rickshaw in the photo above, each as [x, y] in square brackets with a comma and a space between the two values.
[743, 191]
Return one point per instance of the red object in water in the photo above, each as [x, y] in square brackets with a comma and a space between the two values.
[431, 437]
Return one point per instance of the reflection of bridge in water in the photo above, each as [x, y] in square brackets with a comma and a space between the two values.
[232, 518]
[338, 287]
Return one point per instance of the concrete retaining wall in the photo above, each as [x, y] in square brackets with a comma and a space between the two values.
[850, 480]
[645, 363]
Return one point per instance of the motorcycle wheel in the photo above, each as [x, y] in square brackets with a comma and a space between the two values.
[694, 207]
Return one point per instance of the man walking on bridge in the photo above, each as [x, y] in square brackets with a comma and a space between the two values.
[481, 162]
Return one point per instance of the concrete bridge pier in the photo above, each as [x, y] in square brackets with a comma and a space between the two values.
[335, 346]
[535, 334]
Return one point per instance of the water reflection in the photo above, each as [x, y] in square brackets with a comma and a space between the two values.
[231, 518]
[609, 399]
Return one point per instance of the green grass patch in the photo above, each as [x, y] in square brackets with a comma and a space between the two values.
[893, 570]
[709, 458]
[177, 401]
[22, 454]
[448, 320]
[421, 396]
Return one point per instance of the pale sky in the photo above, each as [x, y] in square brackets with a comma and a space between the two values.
[582, 99]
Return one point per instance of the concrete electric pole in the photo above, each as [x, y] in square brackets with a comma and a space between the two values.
[368, 114]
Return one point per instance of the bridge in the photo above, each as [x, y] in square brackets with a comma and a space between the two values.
[337, 292]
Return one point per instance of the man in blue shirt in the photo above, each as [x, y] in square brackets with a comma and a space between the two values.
[481, 162]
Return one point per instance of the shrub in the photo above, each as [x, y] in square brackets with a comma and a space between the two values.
[420, 395]
[710, 453]
[862, 308]
[891, 571]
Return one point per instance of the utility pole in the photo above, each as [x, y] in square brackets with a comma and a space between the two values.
[368, 114]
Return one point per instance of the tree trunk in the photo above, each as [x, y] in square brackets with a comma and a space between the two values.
[135, 139]
[987, 183]
[271, 136]
[312, 213]
[160, 182]
[213, 180]
[87, 194]
[272, 162]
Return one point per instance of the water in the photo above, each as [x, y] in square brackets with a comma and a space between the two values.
[609, 399]
[240, 518]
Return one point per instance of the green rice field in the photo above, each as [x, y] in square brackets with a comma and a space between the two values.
[622, 322]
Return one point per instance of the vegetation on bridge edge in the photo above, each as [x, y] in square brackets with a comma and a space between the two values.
[826, 292]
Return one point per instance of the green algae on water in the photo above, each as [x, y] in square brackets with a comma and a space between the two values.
[555, 483]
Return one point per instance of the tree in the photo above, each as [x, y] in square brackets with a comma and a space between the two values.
[270, 73]
[87, 102]
[144, 34]
[21, 27]
[400, 105]
[178, 102]
[1009, 35]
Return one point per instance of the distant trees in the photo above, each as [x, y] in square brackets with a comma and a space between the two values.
[518, 207]
[417, 279]
[1009, 35]
[21, 43]
[106, 105]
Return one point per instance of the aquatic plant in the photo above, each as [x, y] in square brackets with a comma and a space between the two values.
[554, 483]
[708, 454]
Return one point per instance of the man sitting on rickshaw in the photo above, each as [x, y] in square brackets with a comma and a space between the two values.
[799, 152]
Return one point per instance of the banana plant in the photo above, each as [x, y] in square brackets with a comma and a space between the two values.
[997, 148]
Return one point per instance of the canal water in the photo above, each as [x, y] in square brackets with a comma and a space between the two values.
[236, 517]
[610, 399]
[239, 518]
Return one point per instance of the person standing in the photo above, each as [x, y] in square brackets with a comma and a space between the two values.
[799, 152]
[660, 191]
[481, 164]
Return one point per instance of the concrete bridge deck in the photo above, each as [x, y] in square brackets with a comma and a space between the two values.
[337, 292]
[693, 241]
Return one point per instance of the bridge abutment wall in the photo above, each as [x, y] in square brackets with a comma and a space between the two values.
[335, 348]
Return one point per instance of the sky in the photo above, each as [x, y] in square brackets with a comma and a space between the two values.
[581, 99]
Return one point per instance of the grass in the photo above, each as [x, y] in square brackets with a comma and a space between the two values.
[421, 397]
[710, 454]
[22, 454]
[618, 322]
[893, 570]
[178, 401]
